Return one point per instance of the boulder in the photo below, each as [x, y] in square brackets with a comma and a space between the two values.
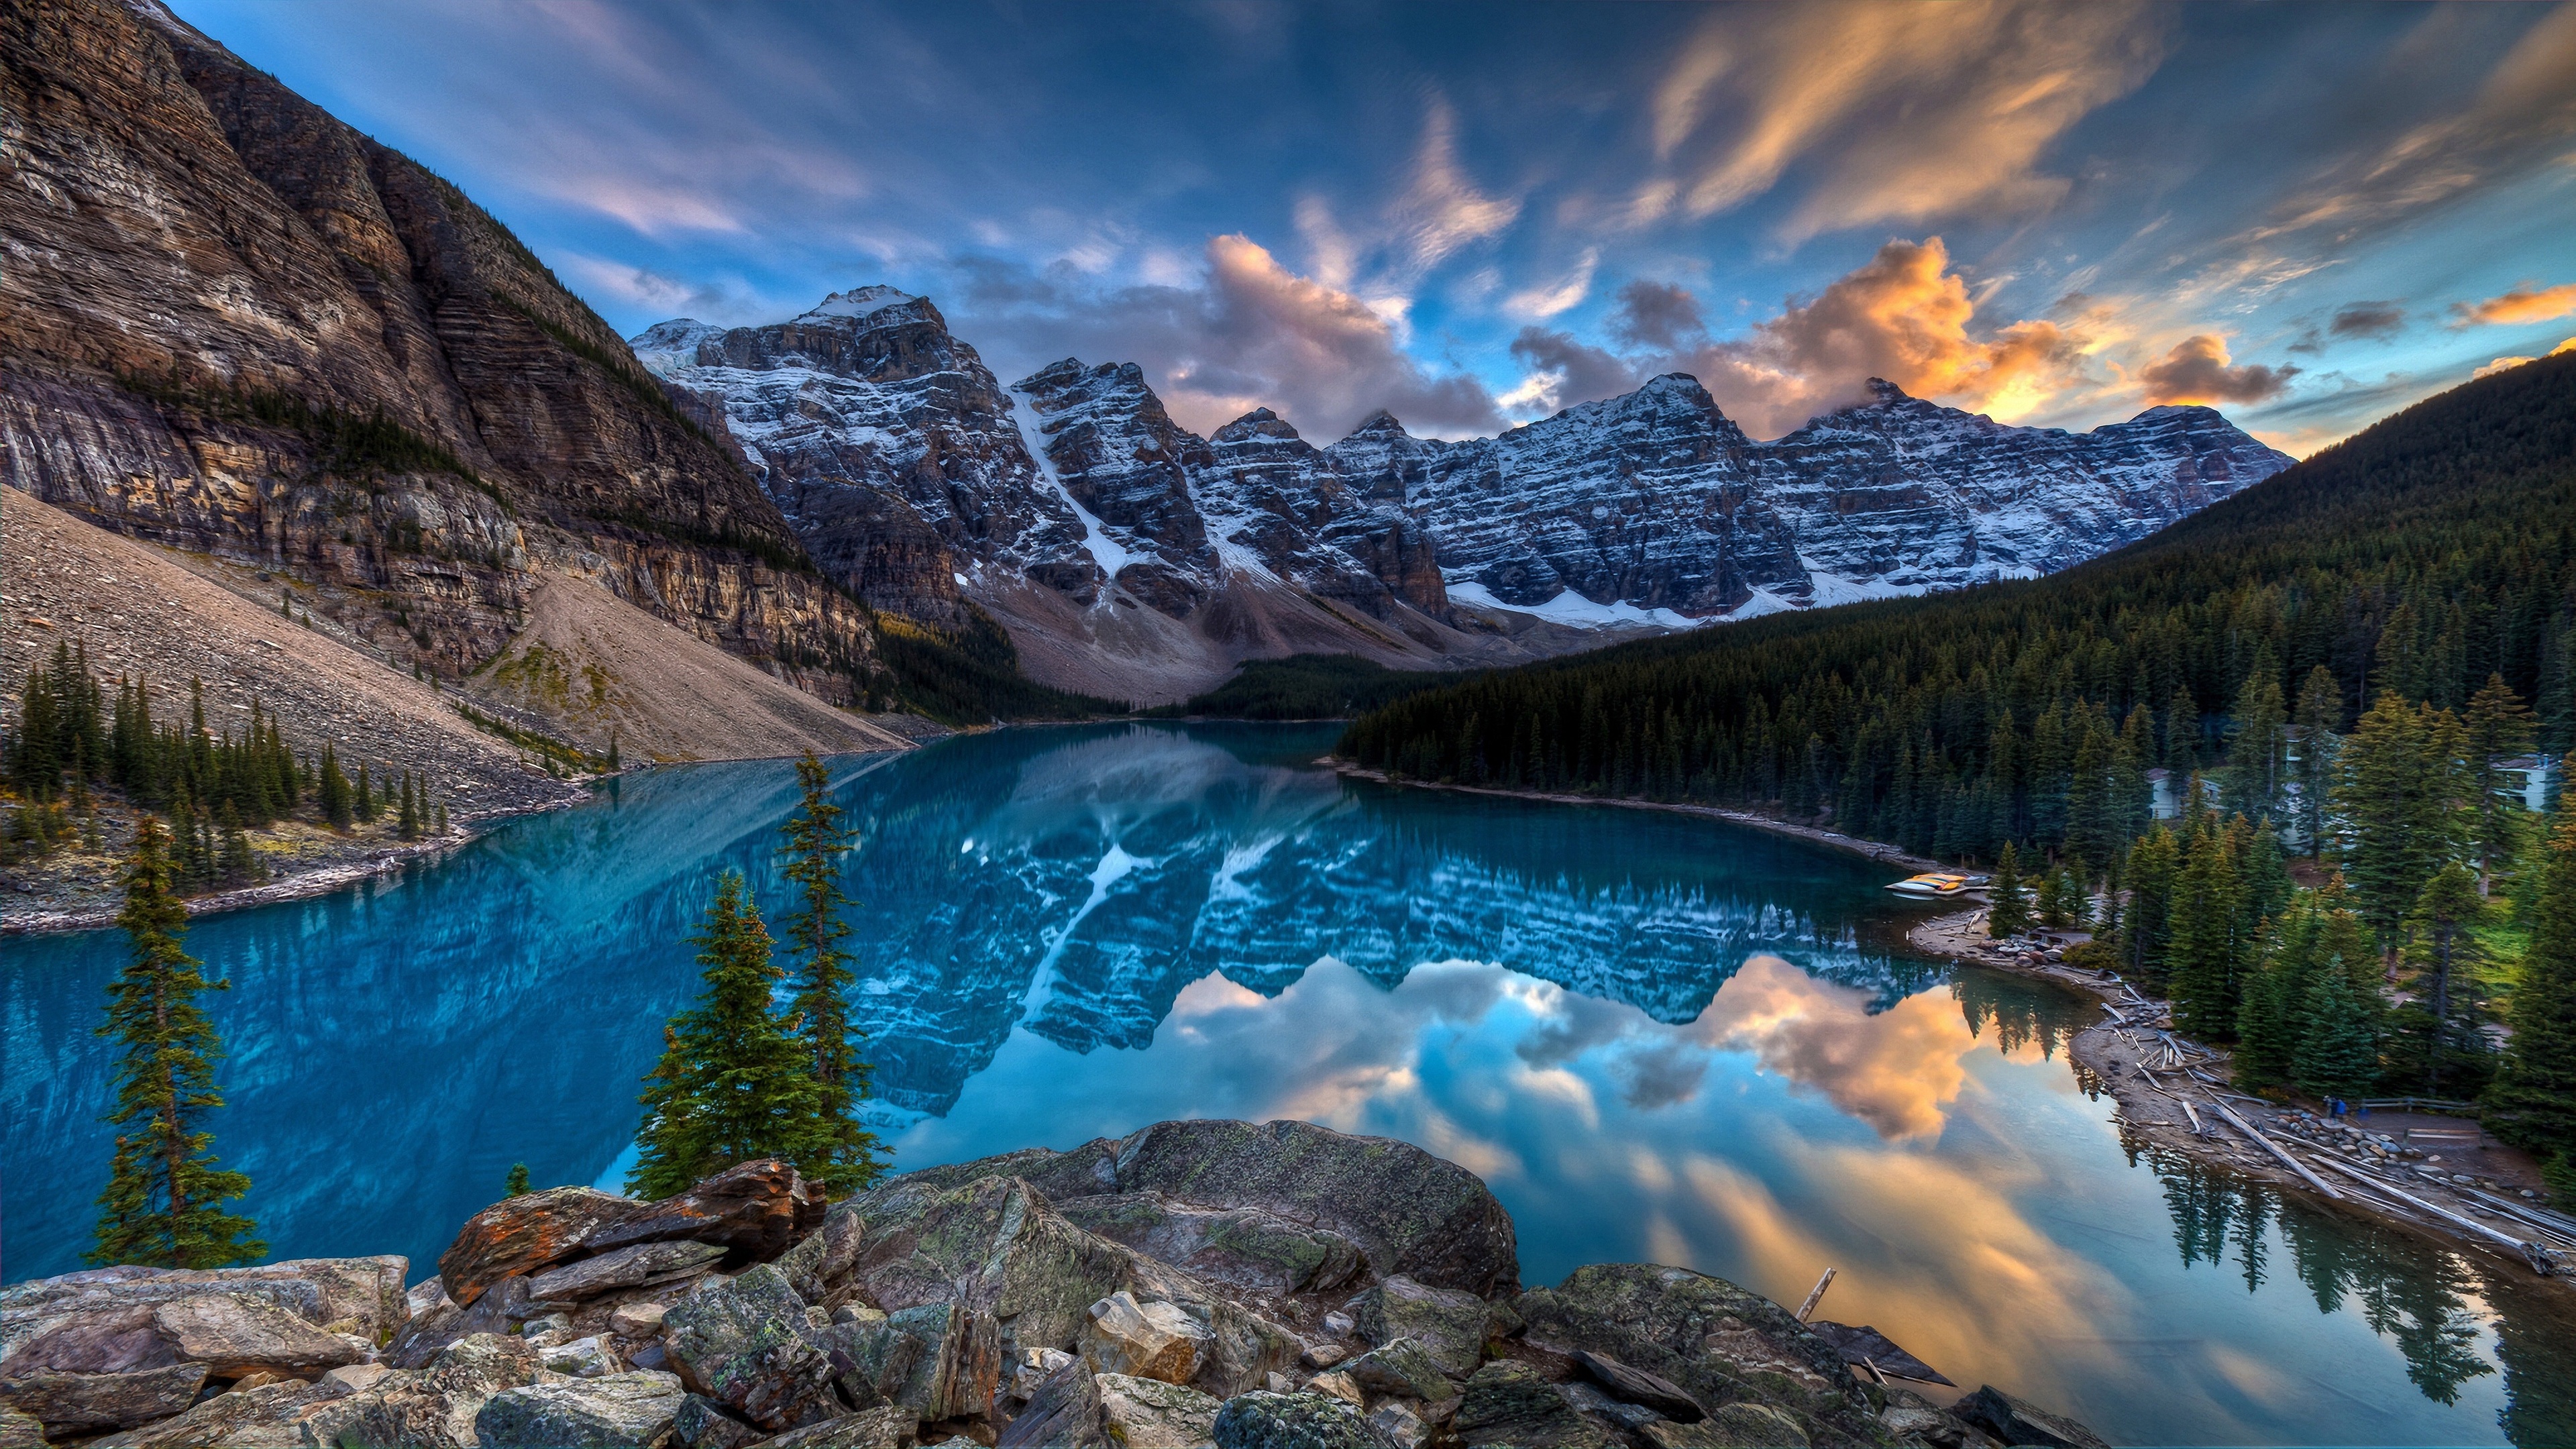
[427, 1294]
[868, 1429]
[1401, 1366]
[1064, 1413]
[1399, 1426]
[582, 1358]
[1511, 1403]
[2016, 1422]
[1033, 1367]
[1408, 1211]
[1323, 1355]
[18, 1431]
[702, 1423]
[637, 1320]
[939, 1361]
[87, 1403]
[600, 1413]
[231, 1334]
[1339, 1385]
[1243, 1247]
[1449, 1324]
[821, 1261]
[1155, 1414]
[1293, 1421]
[753, 1209]
[749, 1345]
[996, 1244]
[1147, 1340]
[364, 1295]
[630, 1267]
[1636, 1386]
[430, 1408]
[270, 1416]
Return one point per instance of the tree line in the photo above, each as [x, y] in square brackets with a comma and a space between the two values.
[2336, 663]
[739, 1078]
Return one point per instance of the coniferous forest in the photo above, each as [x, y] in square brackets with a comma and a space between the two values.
[2342, 664]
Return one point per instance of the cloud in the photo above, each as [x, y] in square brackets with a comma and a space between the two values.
[2522, 304]
[2196, 371]
[2502, 364]
[1246, 333]
[720, 302]
[1900, 113]
[1902, 316]
[1562, 295]
[1896, 1070]
[1442, 211]
[1564, 371]
[1656, 314]
[2378, 321]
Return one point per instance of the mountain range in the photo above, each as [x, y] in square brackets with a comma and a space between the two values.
[1130, 556]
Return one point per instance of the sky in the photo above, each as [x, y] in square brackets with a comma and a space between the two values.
[2307, 215]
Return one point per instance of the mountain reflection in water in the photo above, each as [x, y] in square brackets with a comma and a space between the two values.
[1657, 1037]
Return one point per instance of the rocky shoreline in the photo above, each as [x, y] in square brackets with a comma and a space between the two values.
[1277, 1285]
[2173, 1094]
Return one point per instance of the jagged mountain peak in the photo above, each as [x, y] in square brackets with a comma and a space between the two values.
[1261, 423]
[1379, 424]
[859, 302]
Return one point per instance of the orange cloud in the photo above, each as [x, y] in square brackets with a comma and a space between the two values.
[2522, 304]
[2503, 363]
[1904, 316]
[1895, 1070]
[2197, 371]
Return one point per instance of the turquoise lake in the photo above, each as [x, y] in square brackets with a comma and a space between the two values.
[1657, 1037]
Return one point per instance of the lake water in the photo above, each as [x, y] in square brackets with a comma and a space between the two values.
[1657, 1037]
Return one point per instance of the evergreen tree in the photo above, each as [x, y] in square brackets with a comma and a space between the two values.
[612, 751]
[2339, 1054]
[364, 806]
[2533, 1102]
[164, 1196]
[2391, 803]
[816, 841]
[516, 1185]
[2146, 922]
[408, 823]
[2258, 761]
[2270, 1019]
[2008, 913]
[732, 1085]
[2498, 725]
[338, 806]
[2206, 955]
[2445, 952]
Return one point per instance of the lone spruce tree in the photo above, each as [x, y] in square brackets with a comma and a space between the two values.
[732, 1084]
[816, 840]
[163, 1203]
[2009, 911]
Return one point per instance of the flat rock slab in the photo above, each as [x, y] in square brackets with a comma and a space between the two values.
[230, 1333]
[87, 1403]
[600, 1413]
[2016, 1422]
[628, 1267]
[869, 1429]
[1636, 1386]
[1065, 1412]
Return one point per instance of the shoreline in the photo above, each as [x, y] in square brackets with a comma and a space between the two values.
[2113, 1057]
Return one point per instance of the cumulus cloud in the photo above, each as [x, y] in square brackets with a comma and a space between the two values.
[1901, 113]
[2378, 321]
[1248, 332]
[2522, 304]
[2502, 364]
[1657, 315]
[2196, 370]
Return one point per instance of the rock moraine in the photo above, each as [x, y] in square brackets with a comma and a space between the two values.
[1361, 1293]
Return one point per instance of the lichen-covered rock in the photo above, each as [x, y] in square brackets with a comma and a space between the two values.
[1447, 1323]
[1636, 1386]
[1733, 1426]
[2016, 1422]
[1266, 1420]
[1511, 1403]
[754, 1209]
[702, 1423]
[600, 1413]
[888, 1428]
[750, 1345]
[68, 1404]
[1715, 1341]
[1147, 1340]
[1064, 1413]
[1401, 1366]
[821, 1260]
[1153, 1414]
[996, 1244]
[430, 1408]
[1244, 1247]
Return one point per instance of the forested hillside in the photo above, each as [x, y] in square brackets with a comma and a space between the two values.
[2424, 555]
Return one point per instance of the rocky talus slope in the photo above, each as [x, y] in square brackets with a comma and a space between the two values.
[1132, 556]
[233, 324]
[1193, 1283]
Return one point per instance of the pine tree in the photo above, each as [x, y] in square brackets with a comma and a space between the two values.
[2445, 953]
[816, 840]
[364, 806]
[2498, 725]
[2206, 954]
[408, 824]
[164, 1196]
[337, 806]
[2386, 791]
[2008, 913]
[2533, 1102]
[732, 1085]
[516, 1185]
[2338, 1055]
[2257, 758]
[2270, 1018]
[2146, 922]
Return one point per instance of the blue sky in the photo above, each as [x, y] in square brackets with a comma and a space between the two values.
[2308, 215]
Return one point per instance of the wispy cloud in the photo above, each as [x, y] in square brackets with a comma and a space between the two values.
[1443, 210]
[1564, 294]
[2522, 304]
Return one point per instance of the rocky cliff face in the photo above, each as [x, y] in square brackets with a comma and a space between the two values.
[233, 324]
[1110, 538]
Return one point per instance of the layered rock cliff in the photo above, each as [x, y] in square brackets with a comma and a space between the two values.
[1120, 546]
[231, 323]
